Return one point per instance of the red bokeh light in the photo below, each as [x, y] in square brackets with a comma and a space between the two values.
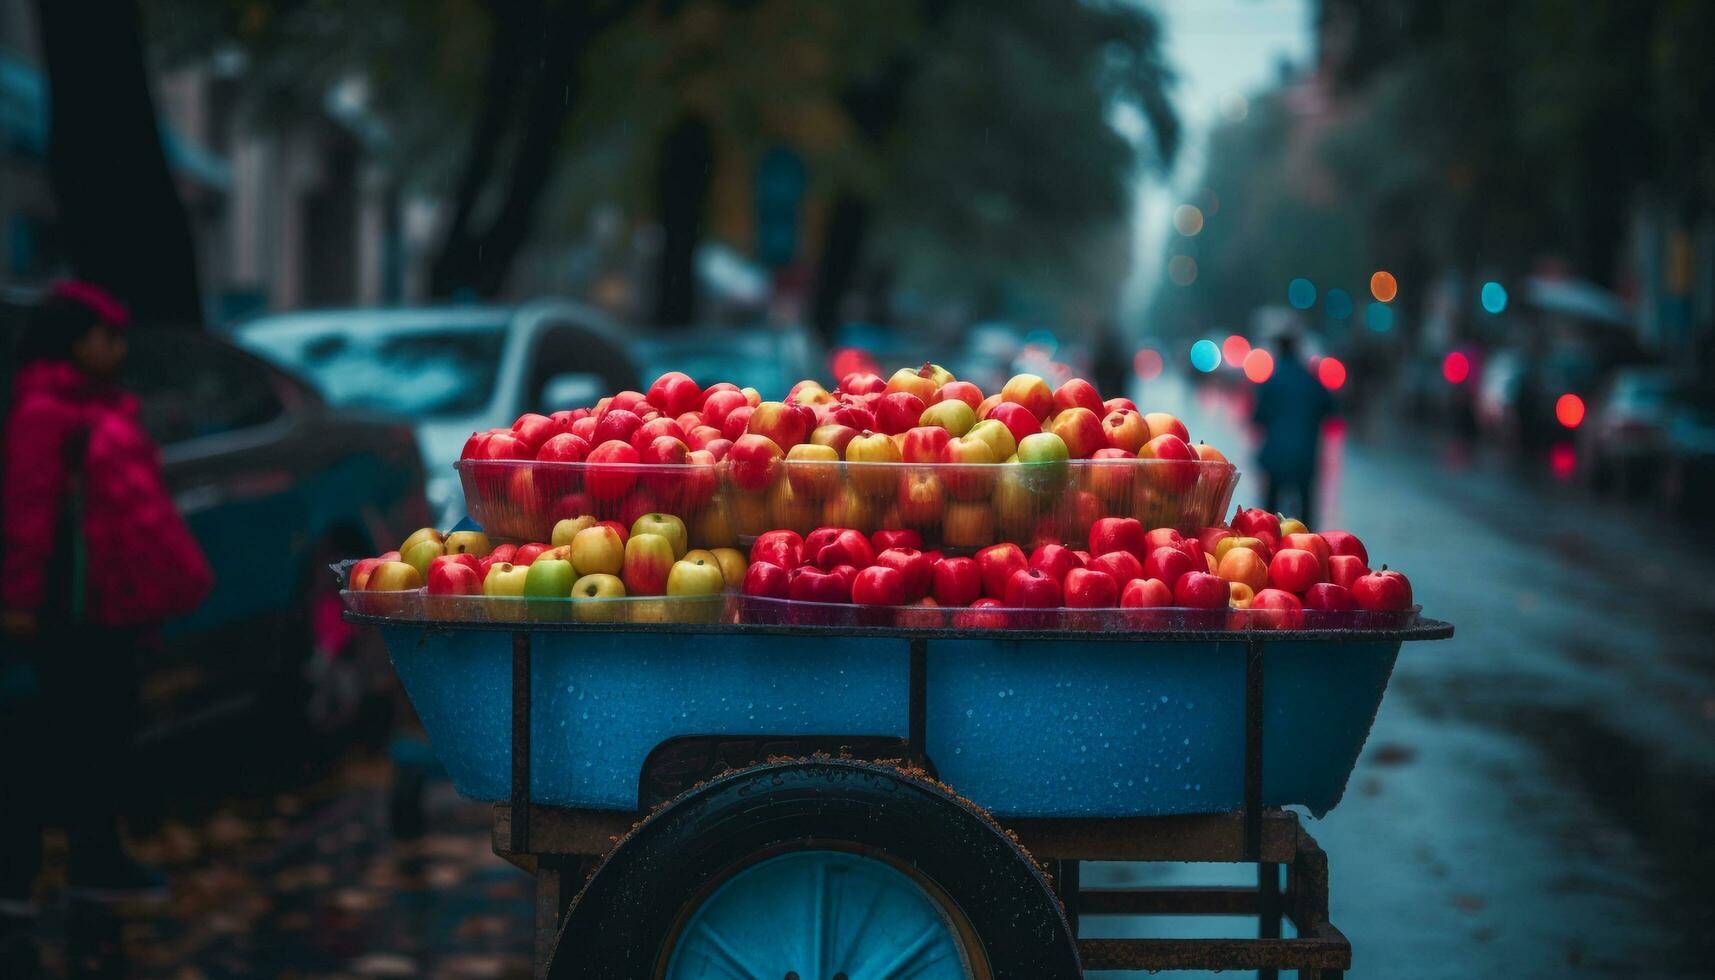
[1456, 367]
[1259, 365]
[1147, 364]
[1569, 409]
[1331, 373]
[852, 360]
[1563, 460]
[1234, 349]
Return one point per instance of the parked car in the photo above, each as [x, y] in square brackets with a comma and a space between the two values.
[1626, 433]
[275, 484]
[451, 370]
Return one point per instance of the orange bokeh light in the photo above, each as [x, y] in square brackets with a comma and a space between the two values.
[1569, 410]
[1383, 286]
[1331, 373]
[1234, 349]
[1259, 365]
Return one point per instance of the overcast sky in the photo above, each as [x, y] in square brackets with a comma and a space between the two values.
[1220, 49]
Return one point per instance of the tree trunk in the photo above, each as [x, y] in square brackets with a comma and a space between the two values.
[836, 271]
[682, 190]
[120, 220]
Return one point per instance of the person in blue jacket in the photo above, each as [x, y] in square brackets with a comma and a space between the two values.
[1290, 409]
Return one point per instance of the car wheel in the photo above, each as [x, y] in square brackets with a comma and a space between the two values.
[817, 869]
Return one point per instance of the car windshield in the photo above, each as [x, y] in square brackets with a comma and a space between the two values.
[417, 373]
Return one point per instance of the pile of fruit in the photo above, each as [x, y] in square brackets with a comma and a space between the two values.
[916, 501]
[919, 450]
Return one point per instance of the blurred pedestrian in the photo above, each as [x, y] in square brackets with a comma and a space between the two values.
[1290, 408]
[93, 557]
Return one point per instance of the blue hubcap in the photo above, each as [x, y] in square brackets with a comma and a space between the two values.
[818, 915]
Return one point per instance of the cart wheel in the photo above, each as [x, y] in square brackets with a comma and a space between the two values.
[817, 870]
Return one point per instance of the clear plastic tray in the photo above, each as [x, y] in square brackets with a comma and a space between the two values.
[958, 508]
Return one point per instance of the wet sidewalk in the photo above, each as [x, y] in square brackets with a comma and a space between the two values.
[308, 884]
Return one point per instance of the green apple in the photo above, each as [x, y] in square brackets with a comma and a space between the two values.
[665, 525]
[953, 415]
[468, 543]
[589, 593]
[1044, 458]
[421, 553]
[420, 534]
[997, 435]
[648, 559]
[696, 576]
[598, 551]
[394, 576]
[733, 566]
[566, 530]
[549, 580]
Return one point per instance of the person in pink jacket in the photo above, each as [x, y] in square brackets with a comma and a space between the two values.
[93, 558]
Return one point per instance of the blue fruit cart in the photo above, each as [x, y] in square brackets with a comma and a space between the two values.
[736, 799]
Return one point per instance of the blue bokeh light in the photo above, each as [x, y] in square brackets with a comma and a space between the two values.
[1378, 317]
[1205, 355]
[1301, 293]
[1494, 297]
[1338, 303]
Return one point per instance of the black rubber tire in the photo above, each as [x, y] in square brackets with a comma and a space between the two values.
[622, 920]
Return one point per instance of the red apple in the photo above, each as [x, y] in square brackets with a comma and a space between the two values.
[879, 585]
[534, 429]
[616, 424]
[862, 383]
[690, 420]
[1030, 391]
[898, 412]
[855, 416]
[1089, 588]
[1161, 537]
[675, 393]
[982, 614]
[654, 429]
[1247, 522]
[505, 445]
[614, 472]
[701, 436]
[1384, 591]
[357, 580]
[818, 539]
[1273, 609]
[1346, 569]
[1118, 534]
[1346, 543]
[584, 428]
[1054, 560]
[1200, 590]
[1081, 430]
[1328, 597]
[1112, 481]
[473, 446]
[1293, 570]
[785, 425]
[1177, 471]
[1030, 588]
[528, 553]
[1146, 593]
[718, 448]
[563, 448]
[1169, 564]
[849, 547]
[914, 570]
[923, 443]
[697, 482]
[963, 391]
[754, 460]
[956, 581]
[997, 563]
[811, 584]
[1125, 429]
[835, 436]
[783, 548]
[1209, 537]
[628, 401]
[1017, 418]
[719, 404]
[897, 538]
[737, 422]
[1078, 393]
[1116, 404]
[765, 579]
[1123, 566]
[1161, 423]
[450, 575]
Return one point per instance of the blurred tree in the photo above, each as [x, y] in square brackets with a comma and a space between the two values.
[120, 219]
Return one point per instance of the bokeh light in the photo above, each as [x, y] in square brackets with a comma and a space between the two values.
[1563, 460]
[1187, 220]
[1338, 303]
[1331, 372]
[1146, 364]
[1383, 287]
[1456, 367]
[1378, 317]
[1235, 107]
[1569, 410]
[1234, 349]
[1182, 269]
[1259, 365]
[1301, 293]
[853, 360]
[1205, 356]
[1494, 297]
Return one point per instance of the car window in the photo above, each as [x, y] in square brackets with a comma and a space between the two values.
[564, 349]
[414, 372]
[190, 386]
